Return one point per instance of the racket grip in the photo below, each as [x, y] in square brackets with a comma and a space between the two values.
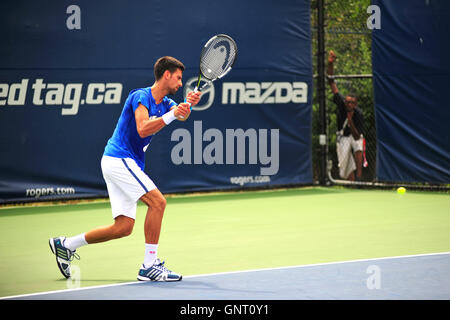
[195, 90]
[190, 104]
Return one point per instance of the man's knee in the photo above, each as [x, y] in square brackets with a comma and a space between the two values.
[125, 231]
[123, 226]
[358, 157]
[158, 204]
[155, 200]
[162, 202]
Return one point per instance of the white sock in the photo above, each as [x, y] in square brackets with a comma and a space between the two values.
[151, 251]
[75, 242]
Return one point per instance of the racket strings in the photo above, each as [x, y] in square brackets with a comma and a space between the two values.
[217, 57]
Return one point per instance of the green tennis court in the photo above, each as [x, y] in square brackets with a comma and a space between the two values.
[226, 232]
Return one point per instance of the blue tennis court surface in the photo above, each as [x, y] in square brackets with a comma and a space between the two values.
[421, 277]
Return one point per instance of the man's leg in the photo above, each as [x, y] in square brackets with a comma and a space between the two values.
[351, 176]
[64, 248]
[357, 147]
[156, 204]
[153, 269]
[359, 161]
[346, 162]
[124, 212]
[124, 181]
[122, 227]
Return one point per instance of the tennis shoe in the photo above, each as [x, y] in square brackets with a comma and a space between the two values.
[63, 255]
[158, 272]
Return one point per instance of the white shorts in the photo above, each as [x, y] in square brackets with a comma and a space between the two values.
[344, 147]
[126, 183]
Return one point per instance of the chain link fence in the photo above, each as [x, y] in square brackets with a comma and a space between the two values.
[341, 26]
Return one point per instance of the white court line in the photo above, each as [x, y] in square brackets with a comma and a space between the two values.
[223, 273]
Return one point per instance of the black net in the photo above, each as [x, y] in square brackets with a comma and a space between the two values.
[342, 27]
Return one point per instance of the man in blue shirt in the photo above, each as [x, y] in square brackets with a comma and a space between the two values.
[146, 111]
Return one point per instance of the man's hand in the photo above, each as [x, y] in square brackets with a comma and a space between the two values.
[193, 97]
[331, 57]
[330, 71]
[350, 115]
[351, 125]
[182, 111]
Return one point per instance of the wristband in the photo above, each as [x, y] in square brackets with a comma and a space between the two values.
[169, 117]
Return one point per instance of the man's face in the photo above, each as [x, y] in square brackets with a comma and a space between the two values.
[350, 103]
[174, 81]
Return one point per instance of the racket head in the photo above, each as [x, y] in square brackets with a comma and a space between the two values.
[218, 57]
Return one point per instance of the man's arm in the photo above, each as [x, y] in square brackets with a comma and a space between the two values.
[356, 123]
[330, 71]
[354, 131]
[144, 125]
[147, 127]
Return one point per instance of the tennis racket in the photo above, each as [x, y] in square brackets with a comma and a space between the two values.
[216, 60]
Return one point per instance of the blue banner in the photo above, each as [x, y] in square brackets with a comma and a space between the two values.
[66, 69]
[411, 72]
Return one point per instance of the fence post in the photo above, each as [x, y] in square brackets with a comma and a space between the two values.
[321, 91]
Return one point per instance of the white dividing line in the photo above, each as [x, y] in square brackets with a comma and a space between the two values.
[224, 273]
[317, 264]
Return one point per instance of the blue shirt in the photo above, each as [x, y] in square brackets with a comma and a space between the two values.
[125, 141]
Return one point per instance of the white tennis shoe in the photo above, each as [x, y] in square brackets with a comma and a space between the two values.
[157, 272]
[63, 255]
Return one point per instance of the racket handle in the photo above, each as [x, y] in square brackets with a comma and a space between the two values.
[195, 90]
[190, 104]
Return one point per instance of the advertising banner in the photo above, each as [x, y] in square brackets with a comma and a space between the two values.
[66, 69]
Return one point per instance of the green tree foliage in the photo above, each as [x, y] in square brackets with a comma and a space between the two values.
[346, 33]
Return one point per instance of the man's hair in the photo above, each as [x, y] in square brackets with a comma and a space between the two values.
[352, 94]
[166, 63]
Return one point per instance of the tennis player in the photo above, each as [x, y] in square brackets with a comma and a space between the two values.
[146, 111]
